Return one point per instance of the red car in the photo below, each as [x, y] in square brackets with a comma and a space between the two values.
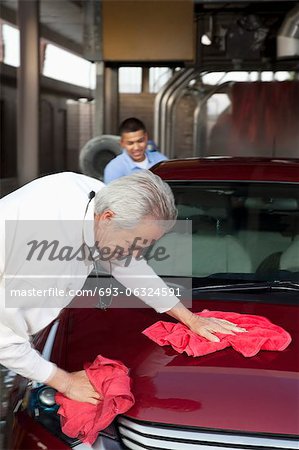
[245, 237]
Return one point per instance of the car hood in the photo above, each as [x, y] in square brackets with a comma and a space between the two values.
[222, 390]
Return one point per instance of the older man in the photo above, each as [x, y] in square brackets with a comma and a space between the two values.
[49, 231]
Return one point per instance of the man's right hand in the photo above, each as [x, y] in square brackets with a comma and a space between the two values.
[75, 385]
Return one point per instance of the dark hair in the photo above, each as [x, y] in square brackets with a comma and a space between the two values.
[131, 125]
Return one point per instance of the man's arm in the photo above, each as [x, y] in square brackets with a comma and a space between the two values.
[17, 354]
[140, 275]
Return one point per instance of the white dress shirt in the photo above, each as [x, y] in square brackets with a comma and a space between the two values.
[47, 208]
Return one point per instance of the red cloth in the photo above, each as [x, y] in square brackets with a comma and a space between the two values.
[261, 335]
[84, 420]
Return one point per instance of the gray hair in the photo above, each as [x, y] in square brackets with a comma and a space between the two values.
[135, 196]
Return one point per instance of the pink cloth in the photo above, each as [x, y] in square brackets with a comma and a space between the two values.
[261, 335]
[84, 420]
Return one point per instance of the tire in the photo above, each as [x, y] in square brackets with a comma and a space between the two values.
[97, 153]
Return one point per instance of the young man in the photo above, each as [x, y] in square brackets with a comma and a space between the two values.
[49, 231]
[136, 153]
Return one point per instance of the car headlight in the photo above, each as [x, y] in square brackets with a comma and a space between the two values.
[39, 401]
[46, 396]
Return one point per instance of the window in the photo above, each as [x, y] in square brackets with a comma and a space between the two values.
[129, 80]
[11, 41]
[65, 66]
[241, 229]
[215, 78]
[158, 76]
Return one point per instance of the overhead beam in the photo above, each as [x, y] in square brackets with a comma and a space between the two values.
[47, 85]
[10, 16]
[58, 39]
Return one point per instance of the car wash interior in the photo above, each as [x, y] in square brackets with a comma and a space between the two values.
[209, 78]
[217, 85]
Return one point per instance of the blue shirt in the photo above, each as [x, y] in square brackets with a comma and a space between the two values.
[123, 165]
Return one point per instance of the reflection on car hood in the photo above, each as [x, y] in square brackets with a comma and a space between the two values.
[222, 390]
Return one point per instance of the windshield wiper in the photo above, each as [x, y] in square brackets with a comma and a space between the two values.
[284, 285]
[256, 286]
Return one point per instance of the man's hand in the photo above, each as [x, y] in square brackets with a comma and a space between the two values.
[81, 389]
[206, 326]
[75, 385]
[203, 326]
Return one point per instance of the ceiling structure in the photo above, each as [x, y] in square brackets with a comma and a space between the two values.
[242, 30]
[62, 21]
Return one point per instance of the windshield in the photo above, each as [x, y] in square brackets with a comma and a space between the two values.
[241, 230]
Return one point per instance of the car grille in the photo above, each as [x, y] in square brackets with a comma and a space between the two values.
[141, 436]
